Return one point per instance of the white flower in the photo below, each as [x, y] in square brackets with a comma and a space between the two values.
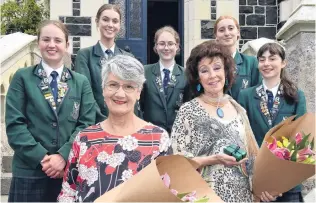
[102, 157]
[67, 191]
[83, 148]
[89, 174]
[165, 142]
[71, 155]
[127, 174]
[128, 143]
[115, 159]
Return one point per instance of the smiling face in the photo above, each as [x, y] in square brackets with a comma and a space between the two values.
[212, 76]
[52, 44]
[270, 66]
[227, 32]
[166, 46]
[120, 96]
[109, 24]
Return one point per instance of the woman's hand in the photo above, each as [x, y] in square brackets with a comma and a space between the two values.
[53, 165]
[227, 160]
[224, 159]
[267, 197]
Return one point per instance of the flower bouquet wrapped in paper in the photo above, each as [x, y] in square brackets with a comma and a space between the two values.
[167, 179]
[286, 157]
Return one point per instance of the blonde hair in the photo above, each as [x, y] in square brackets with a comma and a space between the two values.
[169, 29]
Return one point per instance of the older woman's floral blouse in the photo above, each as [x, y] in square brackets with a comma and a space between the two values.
[99, 161]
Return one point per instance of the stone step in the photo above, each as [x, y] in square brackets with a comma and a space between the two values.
[5, 183]
[6, 164]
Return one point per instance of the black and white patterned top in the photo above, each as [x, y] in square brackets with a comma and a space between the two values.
[196, 133]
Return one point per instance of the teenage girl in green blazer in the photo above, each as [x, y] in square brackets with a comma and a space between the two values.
[227, 33]
[46, 106]
[273, 100]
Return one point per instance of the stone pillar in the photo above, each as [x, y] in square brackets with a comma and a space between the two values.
[298, 34]
[196, 14]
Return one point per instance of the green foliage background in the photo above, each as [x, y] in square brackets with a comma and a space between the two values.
[23, 16]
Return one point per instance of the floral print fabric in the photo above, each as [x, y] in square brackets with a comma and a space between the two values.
[99, 161]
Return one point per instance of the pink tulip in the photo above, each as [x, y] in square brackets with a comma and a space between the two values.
[298, 138]
[190, 197]
[306, 151]
[174, 192]
[273, 145]
[166, 180]
[282, 153]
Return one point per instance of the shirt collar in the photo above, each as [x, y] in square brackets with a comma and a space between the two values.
[49, 70]
[169, 68]
[274, 89]
[234, 54]
[104, 48]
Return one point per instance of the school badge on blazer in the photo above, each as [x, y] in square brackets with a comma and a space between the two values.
[179, 102]
[244, 84]
[75, 110]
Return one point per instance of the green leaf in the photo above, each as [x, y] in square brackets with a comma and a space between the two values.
[291, 145]
[293, 157]
[203, 199]
[303, 143]
[181, 195]
[312, 144]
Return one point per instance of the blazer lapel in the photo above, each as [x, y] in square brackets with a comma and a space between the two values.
[238, 61]
[99, 55]
[45, 88]
[174, 80]
[63, 87]
[157, 80]
[261, 105]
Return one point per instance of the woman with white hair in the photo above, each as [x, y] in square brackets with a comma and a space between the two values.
[112, 151]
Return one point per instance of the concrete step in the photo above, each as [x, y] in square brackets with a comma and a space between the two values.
[5, 183]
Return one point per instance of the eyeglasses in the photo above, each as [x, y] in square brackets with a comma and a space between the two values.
[114, 86]
[168, 44]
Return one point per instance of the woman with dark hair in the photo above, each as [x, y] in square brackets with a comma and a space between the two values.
[89, 60]
[273, 100]
[227, 33]
[212, 121]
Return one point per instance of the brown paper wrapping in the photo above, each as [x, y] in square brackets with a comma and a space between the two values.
[275, 175]
[147, 186]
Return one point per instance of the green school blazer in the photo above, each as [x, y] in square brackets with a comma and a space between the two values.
[250, 100]
[158, 108]
[89, 63]
[247, 74]
[36, 126]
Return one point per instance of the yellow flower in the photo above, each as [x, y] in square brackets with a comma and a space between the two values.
[309, 160]
[280, 145]
[285, 141]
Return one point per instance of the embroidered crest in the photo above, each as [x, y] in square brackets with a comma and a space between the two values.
[245, 83]
[173, 81]
[179, 102]
[75, 110]
[159, 83]
[103, 60]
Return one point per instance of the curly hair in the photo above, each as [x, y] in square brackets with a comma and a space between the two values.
[209, 49]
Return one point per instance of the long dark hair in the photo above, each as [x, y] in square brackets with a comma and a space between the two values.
[289, 88]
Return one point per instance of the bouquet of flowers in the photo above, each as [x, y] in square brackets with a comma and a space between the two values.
[298, 149]
[284, 153]
[187, 196]
[153, 183]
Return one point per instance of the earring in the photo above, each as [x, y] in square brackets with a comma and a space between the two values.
[226, 81]
[198, 87]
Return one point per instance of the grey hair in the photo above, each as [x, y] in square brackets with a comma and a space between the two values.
[125, 68]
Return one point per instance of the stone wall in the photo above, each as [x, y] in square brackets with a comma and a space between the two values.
[257, 18]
